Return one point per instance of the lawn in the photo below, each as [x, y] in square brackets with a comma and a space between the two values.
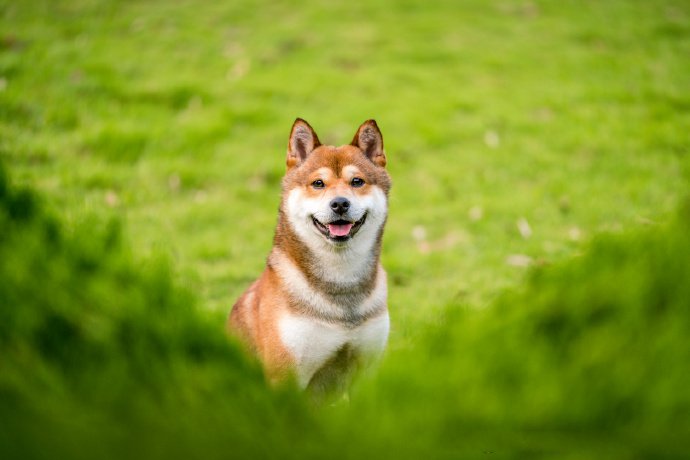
[516, 133]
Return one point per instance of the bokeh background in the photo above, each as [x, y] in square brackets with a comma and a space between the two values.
[538, 244]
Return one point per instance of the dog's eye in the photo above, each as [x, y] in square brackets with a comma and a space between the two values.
[318, 183]
[357, 182]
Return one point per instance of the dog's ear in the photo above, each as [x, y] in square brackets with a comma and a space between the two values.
[370, 142]
[303, 140]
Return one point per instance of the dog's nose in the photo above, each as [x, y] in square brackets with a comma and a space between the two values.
[340, 205]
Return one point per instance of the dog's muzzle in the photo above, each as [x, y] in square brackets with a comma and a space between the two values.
[339, 230]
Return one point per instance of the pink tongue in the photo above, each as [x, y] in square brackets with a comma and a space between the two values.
[339, 230]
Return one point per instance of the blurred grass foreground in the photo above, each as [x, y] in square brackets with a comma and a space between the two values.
[102, 356]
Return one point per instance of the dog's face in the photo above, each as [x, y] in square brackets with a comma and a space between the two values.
[336, 196]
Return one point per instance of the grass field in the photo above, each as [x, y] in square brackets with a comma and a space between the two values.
[516, 131]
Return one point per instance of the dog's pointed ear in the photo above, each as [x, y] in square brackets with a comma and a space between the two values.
[370, 142]
[303, 140]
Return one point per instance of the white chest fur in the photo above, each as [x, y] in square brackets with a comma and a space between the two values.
[302, 291]
[313, 342]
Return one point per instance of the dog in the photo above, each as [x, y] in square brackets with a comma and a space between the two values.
[318, 312]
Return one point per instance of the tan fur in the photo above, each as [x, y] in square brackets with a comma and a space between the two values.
[348, 304]
[254, 318]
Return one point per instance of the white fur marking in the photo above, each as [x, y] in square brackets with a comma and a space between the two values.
[350, 171]
[312, 342]
[346, 264]
[301, 290]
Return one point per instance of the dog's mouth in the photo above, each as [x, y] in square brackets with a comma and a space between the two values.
[339, 230]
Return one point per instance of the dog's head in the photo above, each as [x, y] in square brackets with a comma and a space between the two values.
[336, 195]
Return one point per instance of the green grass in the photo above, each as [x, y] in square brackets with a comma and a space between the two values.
[172, 118]
[104, 356]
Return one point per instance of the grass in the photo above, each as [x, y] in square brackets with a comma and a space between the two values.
[99, 349]
[516, 132]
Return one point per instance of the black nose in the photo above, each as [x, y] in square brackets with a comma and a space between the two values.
[340, 205]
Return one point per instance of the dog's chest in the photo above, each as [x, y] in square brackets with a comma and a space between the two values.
[313, 342]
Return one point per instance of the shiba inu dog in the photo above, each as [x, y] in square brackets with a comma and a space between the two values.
[319, 310]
